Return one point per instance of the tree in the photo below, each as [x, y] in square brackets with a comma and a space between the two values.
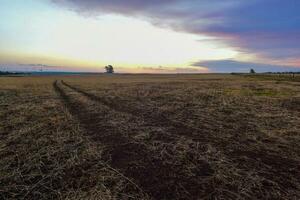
[109, 69]
[252, 71]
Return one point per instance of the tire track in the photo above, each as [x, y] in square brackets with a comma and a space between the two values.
[136, 161]
[89, 125]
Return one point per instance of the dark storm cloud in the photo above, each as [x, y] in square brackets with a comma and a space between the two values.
[228, 66]
[270, 28]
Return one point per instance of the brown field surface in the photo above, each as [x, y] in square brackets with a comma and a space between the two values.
[150, 137]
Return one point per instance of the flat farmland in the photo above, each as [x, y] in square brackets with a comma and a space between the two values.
[210, 136]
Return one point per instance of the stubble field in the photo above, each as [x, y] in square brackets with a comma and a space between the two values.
[150, 137]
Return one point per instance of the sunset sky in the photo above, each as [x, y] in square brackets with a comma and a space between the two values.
[153, 36]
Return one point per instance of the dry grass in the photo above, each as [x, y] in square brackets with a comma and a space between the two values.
[149, 137]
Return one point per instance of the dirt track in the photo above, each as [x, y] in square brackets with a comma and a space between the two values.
[132, 157]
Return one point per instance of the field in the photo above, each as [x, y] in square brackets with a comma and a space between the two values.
[150, 137]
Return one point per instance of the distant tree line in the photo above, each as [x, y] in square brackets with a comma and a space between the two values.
[282, 72]
[9, 73]
[252, 71]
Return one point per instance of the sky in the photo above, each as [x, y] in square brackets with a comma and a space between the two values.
[153, 36]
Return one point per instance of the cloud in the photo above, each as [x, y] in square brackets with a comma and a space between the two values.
[28, 67]
[227, 66]
[177, 70]
[268, 28]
